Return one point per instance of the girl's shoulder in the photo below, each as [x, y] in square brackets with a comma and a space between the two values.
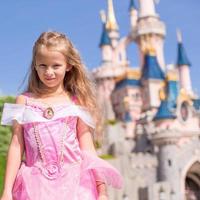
[27, 94]
[21, 98]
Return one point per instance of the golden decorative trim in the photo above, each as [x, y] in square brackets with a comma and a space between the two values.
[172, 76]
[162, 91]
[147, 46]
[184, 96]
[129, 74]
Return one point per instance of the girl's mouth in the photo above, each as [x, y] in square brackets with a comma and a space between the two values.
[49, 79]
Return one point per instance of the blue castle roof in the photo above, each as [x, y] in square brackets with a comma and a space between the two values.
[105, 40]
[127, 82]
[151, 68]
[127, 117]
[167, 106]
[172, 91]
[132, 5]
[196, 104]
[182, 58]
[165, 111]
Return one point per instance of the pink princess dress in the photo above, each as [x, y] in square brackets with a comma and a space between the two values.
[55, 168]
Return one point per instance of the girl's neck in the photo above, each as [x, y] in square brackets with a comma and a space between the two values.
[52, 98]
[54, 92]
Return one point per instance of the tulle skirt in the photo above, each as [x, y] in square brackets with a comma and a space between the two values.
[76, 181]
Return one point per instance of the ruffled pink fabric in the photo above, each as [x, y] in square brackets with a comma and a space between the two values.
[77, 182]
[102, 170]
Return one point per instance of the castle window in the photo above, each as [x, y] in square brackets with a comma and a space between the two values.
[184, 111]
[137, 96]
[169, 162]
[120, 57]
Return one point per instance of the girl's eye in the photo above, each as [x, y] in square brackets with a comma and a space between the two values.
[56, 66]
[42, 66]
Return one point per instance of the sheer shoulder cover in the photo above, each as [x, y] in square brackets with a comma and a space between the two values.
[81, 126]
[25, 114]
[12, 112]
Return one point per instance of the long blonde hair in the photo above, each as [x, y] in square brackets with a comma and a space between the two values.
[76, 82]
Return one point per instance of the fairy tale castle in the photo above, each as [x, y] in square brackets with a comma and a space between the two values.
[152, 112]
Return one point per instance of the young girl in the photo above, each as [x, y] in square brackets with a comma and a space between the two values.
[53, 123]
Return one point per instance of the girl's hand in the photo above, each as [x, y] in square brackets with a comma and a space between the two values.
[103, 197]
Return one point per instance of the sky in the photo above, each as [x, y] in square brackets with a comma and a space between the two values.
[21, 22]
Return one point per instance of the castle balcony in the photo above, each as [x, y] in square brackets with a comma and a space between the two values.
[108, 70]
[172, 135]
[149, 26]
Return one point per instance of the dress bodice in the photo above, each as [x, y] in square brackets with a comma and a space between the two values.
[51, 141]
[55, 137]
[48, 139]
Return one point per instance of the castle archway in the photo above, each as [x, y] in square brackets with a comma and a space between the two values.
[192, 182]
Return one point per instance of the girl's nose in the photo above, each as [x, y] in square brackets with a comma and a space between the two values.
[49, 71]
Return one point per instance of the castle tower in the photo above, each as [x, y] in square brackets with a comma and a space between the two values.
[176, 140]
[126, 100]
[166, 139]
[105, 42]
[109, 69]
[167, 172]
[151, 26]
[152, 79]
[172, 88]
[147, 8]
[133, 14]
[168, 96]
[183, 65]
[111, 24]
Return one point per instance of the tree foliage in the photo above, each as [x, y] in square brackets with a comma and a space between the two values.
[5, 135]
[5, 131]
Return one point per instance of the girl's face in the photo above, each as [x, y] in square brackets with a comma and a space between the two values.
[51, 66]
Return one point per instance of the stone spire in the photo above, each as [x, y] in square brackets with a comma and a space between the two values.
[133, 15]
[183, 66]
[111, 23]
[132, 5]
[182, 58]
[105, 40]
[150, 25]
[147, 8]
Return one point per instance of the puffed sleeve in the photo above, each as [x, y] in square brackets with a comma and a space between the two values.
[83, 127]
[85, 119]
[12, 112]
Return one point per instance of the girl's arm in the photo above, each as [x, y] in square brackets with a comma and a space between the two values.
[14, 157]
[86, 143]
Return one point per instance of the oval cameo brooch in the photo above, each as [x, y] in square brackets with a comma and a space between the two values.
[48, 113]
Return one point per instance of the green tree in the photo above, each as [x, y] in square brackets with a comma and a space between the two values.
[5, 131]
[5, 135]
